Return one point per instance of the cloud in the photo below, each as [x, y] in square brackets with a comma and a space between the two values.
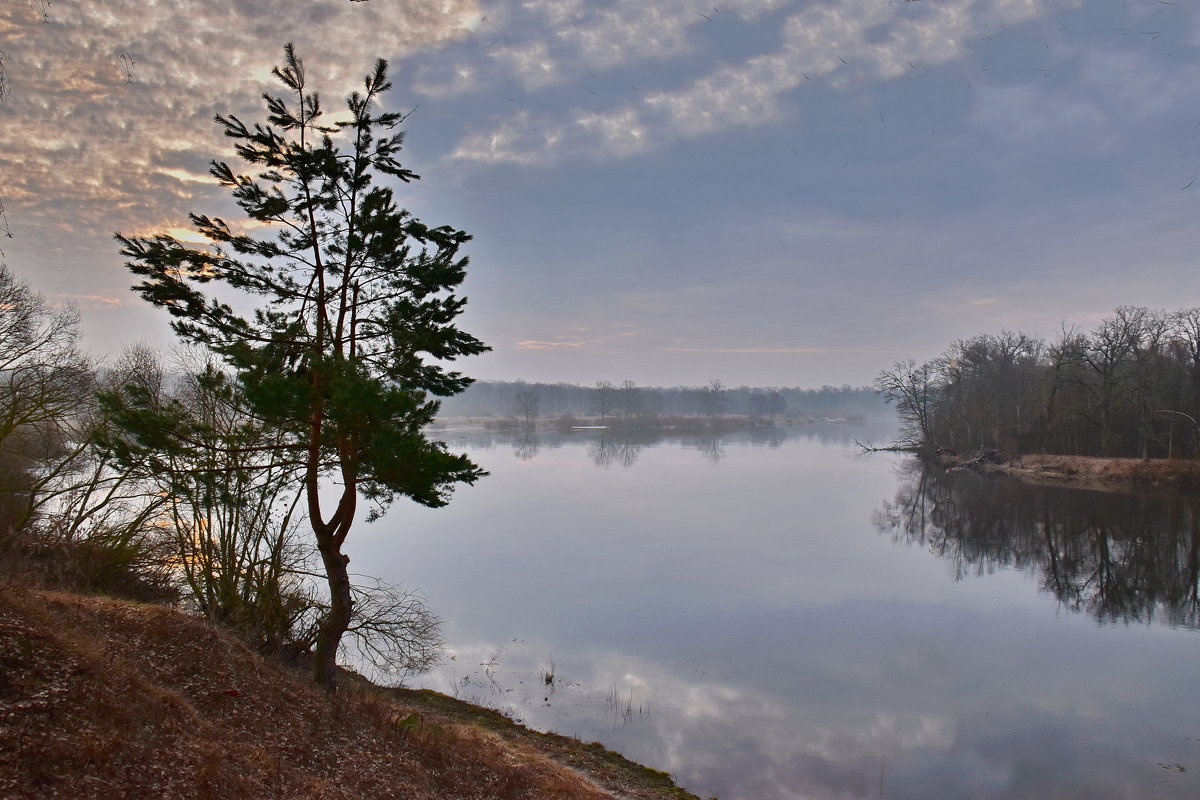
[693, 349]
[532, 64]
[108, 99]
[620, 133]
[1025, 114]
[542, 43]
[534, 344]
[184, 176]
[842, 43]
[573, 36]
[446, 79]
[523, 139]
[757, 350]
[95, 300]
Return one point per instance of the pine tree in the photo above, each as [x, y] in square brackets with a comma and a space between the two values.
[356, 320]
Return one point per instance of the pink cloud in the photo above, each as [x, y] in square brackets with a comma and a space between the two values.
[96, 300]
[533, 344]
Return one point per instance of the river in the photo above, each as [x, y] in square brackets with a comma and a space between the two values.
[774, 614]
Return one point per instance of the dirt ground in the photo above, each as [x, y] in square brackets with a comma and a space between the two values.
[110, 699]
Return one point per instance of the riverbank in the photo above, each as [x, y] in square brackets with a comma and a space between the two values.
[1085, 472]
[109, 698]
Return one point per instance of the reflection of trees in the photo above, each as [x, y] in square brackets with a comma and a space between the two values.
[496, 433]
[624, 445]
[1118, 557]
[526, 445]
[769, 436]
[710, 447]
[608, 449]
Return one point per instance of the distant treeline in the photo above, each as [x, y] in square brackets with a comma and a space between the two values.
[626, 400]
[1131, 387]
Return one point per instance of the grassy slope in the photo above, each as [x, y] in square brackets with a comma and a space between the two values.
[111, 699]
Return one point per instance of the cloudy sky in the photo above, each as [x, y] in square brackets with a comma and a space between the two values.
[790, 192]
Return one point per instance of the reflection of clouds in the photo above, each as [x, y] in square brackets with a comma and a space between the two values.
[744, 737]
[778, 647]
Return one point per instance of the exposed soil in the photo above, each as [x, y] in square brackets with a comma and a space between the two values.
[109, 699]
[1090, 472]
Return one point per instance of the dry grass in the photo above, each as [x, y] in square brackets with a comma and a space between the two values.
[111, 699]
[1117, 474]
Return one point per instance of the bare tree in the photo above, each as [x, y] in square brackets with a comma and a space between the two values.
[1110, 347]
[231, 505]
[393, 630]
[604, 398]
[527, 404]
[629, 399]
[63, 499]
[5, 86]
[233, 509]
[913, 390]
[44, 383]
[712, 400]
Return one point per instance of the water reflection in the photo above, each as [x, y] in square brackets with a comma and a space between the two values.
[622, 446]
[1118, 557]
[605, 450]
[748, 629]
[711, 448]
[924, 719]
[526, 445]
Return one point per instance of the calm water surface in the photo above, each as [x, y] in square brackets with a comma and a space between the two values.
[779, 616]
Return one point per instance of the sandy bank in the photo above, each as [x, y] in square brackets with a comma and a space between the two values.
[1088, 472]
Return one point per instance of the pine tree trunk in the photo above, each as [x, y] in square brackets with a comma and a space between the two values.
[337, 620]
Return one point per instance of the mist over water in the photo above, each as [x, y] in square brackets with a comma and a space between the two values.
[772, 614]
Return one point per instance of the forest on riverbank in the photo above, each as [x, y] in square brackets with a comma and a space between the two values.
[1128, 388]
